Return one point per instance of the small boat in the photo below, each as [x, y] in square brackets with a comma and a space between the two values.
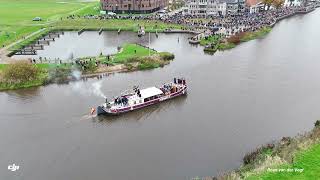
[137, 99]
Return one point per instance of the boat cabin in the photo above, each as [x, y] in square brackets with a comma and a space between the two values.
[150, 93]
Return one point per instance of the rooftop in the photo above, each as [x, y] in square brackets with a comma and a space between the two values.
[151, 91]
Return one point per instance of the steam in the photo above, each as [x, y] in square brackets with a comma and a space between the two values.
[97, 89]
[89, 89]
[86, 88]
[76, 74]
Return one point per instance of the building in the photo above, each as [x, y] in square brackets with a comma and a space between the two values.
[204, 8]
[235, 6]
[133, 6]
[255, 5]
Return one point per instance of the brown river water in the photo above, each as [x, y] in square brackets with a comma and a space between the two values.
[238, 99]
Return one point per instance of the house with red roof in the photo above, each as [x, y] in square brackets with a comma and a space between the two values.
[255, 5]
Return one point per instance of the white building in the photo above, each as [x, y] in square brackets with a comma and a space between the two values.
[235, 6]
[204, 8]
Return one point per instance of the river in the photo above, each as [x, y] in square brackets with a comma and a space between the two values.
[238, 99]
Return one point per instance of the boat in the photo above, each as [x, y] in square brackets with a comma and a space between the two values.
[138, 99]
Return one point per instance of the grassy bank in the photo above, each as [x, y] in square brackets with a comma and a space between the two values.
[215, 42]
[113, 24]
[16, 15]
[306, 165]
[291, 158]
[33, 83]
[138, 57]
[132, 57]
[248, 36]
[46, 73]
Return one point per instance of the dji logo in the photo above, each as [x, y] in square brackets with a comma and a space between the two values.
[13, 167]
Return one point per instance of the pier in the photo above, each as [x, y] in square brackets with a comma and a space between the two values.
[26, 52]
[81, 31]
[34, 47]
[39, 44]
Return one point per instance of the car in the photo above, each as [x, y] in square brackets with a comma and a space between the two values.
[37, 19]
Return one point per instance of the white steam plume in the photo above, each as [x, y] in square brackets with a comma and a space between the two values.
[89, 89]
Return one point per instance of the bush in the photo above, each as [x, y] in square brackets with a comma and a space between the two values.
[259, 153]
[59, 74]
[225, 46]
[134, 59]
[317, 123]
[236, 39]
[166, 56]
[148, 63]
[20, 71]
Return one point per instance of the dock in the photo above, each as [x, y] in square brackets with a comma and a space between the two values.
[100, 31]
[81, 31]
[26, 52]
[39, 44]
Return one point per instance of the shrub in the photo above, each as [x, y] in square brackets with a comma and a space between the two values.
[317, 123]
[236, 39]
[166, 56]
[20, 71]
[148, 63]
[129, 66]
[259, 153]
[59, 74]
[134, 59]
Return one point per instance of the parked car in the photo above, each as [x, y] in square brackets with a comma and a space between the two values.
[37, 19]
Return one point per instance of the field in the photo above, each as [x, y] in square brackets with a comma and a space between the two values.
[113, 24]
[16, 15]
[131, 51]
[305, 166]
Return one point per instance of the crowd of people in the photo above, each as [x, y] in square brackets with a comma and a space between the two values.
[224, 25]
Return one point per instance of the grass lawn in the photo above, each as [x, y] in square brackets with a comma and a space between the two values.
[16, 15]
[113, 24]
[308, 160]
[2, 66]
[42, 65]
[128, 51]
[211, 39]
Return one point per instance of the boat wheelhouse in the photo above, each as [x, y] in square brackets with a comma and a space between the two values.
[138, 99]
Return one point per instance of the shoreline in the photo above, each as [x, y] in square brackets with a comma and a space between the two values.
[129, 67]
[222, 44]
[8, 51]
[130, 57]
[277, 159]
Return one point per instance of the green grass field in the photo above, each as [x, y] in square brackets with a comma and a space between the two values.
[16, 15]
[113, 24]
[308, 160]
[130, 51]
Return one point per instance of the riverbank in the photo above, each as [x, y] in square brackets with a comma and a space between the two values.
[224, 41]
[82, 24]
[130, 57]
[290, 158]
[214, 43]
